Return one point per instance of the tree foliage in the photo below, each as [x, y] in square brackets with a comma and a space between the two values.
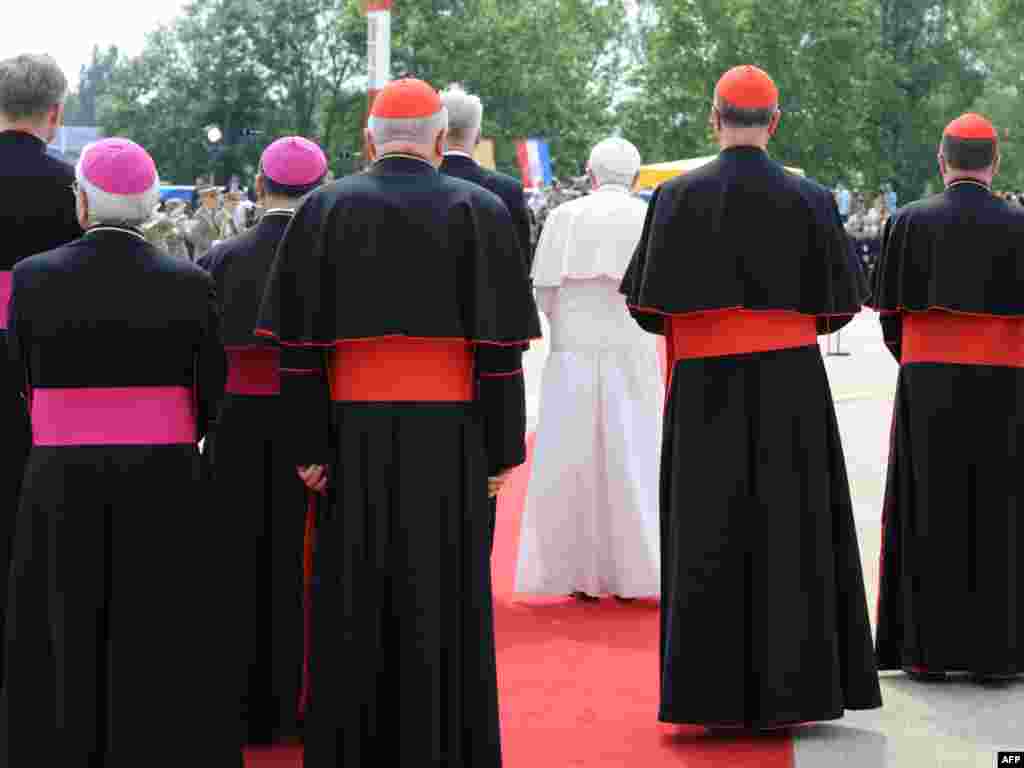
[547, 68]
[866, 84]
[927, 72]
[271, 66]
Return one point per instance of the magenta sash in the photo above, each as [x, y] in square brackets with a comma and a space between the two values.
[113, 416]
[5, 296]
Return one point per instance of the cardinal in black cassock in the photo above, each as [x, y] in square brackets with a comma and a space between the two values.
[37, 213]
[118, 638]
[763, 614]
[949, 288]
[402, 309]
[258, 486]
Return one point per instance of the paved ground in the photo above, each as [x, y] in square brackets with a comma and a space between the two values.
[921, 725]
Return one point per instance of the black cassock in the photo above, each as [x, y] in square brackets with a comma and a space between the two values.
[37, 210]
[763, 616]
[511, 193]
[949, 287]
[258, 488]
[119, 633]
[402, 309]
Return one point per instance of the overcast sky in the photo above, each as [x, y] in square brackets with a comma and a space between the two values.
[68, 29]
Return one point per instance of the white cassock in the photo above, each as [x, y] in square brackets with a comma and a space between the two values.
[591, 517]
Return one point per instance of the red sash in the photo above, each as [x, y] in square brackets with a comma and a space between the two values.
[400, 369]
[936, 336]
[724, 332]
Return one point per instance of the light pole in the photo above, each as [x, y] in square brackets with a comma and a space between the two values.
[378, 53]
[214, 136]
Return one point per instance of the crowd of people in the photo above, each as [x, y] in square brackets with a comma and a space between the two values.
[220, 214]
[352, 363]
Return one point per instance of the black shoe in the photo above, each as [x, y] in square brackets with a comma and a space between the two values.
[994, 677]
[925, 675]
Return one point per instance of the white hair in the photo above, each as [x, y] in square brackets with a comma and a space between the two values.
[105, 207]
[407, 130]
[615, 161]
[465, 113]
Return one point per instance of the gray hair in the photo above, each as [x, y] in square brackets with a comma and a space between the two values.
[465, 113]
[30, 85]
[615, 161]
[411, 130]
[107, 208]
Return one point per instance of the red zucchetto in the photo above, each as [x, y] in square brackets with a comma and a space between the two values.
[971, 126]
[748, 87]
[407, 98]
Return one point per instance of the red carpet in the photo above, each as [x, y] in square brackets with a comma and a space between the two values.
[579, 681]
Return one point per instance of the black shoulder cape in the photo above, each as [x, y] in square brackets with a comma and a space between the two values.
[401, 250]
[743, 233]
[239, 268]
[961, 250]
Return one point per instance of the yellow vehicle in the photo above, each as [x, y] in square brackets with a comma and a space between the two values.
[654, 174]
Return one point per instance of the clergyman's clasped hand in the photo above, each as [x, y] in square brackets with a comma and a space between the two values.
[314, 477]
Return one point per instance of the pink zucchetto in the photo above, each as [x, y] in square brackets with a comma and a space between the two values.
[120, 181]
[294, 162]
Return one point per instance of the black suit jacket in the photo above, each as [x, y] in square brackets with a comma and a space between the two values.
[508, 189]
[37, 213]
[37, 205]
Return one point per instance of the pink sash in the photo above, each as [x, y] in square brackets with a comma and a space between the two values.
[113, 416]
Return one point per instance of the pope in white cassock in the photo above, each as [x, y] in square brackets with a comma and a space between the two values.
[590, 526]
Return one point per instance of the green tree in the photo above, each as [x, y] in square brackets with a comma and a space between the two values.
[544, 68]
[273, 67]
[1003, 98]
[815, 52]
[865, 84]
[928, 69]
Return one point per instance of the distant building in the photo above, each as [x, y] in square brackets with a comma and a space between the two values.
[72, 139]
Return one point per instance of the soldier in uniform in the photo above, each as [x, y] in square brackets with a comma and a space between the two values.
[229, 218]
[204, 228]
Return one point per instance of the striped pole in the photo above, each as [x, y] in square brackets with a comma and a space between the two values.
[378, 52]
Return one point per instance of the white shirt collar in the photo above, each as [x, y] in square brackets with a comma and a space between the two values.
[405, 156]
[279, 212]
[459, 153]
[614, 188]
[976, 183]
[115, 228]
